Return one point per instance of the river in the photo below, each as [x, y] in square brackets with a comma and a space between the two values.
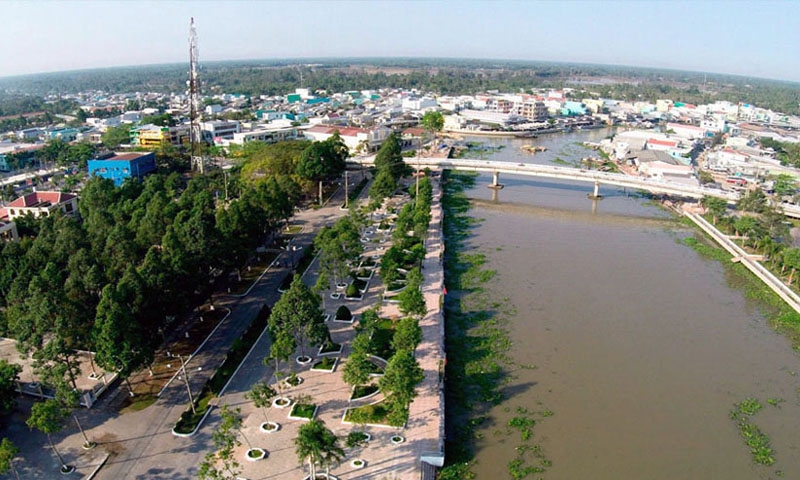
[641, 347]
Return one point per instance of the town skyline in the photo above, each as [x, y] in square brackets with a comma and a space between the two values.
[714, 37]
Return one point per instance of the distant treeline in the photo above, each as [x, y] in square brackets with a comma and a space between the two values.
[443, 76]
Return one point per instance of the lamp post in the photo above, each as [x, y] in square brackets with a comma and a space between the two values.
[186, 379]
[346, 191]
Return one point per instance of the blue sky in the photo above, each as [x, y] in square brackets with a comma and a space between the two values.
[748, 38]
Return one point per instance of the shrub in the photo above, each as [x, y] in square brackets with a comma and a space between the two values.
[352, 291]
[343, 313]
[355, 439]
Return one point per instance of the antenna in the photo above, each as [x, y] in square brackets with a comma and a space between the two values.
[194, 101]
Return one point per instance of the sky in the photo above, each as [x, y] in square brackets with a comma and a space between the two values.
[758, 39]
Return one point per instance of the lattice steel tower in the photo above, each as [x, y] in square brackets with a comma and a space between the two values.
[195, 138]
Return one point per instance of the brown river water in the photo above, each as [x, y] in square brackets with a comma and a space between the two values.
[641, 346]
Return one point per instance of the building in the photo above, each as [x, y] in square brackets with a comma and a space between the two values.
[220, 129]
[266, 133]
[8, 229]
[151, 136]
[42, 204]
[121, 166]
[534, 111]
[371, 138]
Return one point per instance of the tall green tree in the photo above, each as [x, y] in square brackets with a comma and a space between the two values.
[7, 453]
[297, 313]
[357, 368]
[261, 395]
[390, 158]
[9, 375]
[432, 122]
[399, 382]
[715, 206]
[407, 334]
[221, 464]
[48, 417]
[316, 444]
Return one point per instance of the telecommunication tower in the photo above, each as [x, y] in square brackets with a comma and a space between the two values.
[195, 138]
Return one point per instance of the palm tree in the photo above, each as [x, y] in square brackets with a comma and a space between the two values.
[315, 443]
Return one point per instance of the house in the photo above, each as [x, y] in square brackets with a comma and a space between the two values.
[8, 229]
[42, 204]
[372, 138]
[271, 133]
[121, 166]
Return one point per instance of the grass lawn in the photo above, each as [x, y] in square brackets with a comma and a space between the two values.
[362, 391]
[326, 363]
[303, 410]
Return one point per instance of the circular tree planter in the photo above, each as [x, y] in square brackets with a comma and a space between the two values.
[88, 445]
[270, 427]
[293, 382]
[397, 439]
[255, 454]
[67, 469]
[335, 295]
[94, 376]
[358, 463]
[303, 360]
[282, 402]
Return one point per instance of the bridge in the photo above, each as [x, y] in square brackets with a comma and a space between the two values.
[652, 185]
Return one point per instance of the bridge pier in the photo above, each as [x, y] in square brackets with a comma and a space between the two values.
[596, 195]
[496, 185]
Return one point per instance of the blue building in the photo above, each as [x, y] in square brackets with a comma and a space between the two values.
[121, 166]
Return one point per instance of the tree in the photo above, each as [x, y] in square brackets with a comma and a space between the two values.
[358, 367]
[791, 259]
[383, 186]
[407, 334]
[400, 378]
[785, 184]
[297, 313]
[753, 201]
[261, 395]
[412, 302]
[322, 161]
[7, 453]
[9, 374]
[432, 122]
[48, 417]
[390, 158]
[314, 444]
[715, 206]
[225, 442]
[116, 136]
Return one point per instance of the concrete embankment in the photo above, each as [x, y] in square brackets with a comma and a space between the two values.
[773, 282]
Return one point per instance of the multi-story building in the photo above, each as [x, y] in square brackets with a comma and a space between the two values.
[266, 133]
[534, 111]
[220, 129]
[151, 136]
[42, 204]
[121, 166]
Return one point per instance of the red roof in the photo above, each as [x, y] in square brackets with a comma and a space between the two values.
[321, 129]
[414, 131]
[38, 198]
[3, 214]
[666, 143]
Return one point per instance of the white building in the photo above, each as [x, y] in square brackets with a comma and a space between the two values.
[271, 133]
[221, 128]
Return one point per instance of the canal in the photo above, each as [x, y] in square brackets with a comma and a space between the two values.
[637, 345]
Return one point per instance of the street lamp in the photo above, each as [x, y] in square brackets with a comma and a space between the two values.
[186, 379]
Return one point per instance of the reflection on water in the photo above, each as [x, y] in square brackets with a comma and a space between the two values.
[641, 348]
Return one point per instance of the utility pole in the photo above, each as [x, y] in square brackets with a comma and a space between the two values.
[197, 161]
[346, 191]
